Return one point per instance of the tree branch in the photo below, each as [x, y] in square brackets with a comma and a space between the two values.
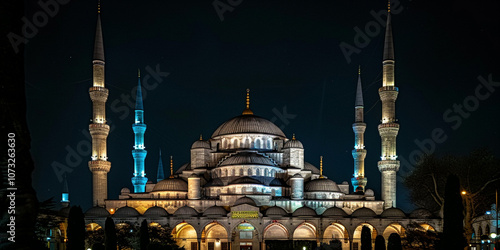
[484, 186]
[439, 202]
[436, 189]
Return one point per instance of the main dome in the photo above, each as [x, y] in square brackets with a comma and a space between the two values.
[248, 124]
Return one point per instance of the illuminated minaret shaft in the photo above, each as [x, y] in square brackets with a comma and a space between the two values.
[389, 128]
[99, 130]
[139, 153]
[359, 152]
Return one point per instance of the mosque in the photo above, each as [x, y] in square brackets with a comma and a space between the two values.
[248, 184]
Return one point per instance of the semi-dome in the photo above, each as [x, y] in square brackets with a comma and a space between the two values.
[421, 213]
[276, 182]
[276, 211]
[393, 213]
[156, 212]
[311, 167]
[293, 143]
[321, 185]
[248, 158]
[125, 212]
[363, 212]
[201, 144]
[244, 124]
[304, 211]
[97, 212]
[185, 211]
[171, 184]
[245, 200]
[216, 182]
[334, 212]
[245, 180]
[215, 211]
[125, 191]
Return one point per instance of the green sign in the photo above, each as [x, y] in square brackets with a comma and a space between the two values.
[244, 214]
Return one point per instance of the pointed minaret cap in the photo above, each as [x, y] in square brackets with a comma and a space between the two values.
[65, 185]
[98, 44]
[359, 91]
[161, 174]
[388, 44]
[247, 111]
[138, 98]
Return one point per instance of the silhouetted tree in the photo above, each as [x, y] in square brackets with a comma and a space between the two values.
[144, 235]
[98, 246]
[453, 215]
[416, 237]
[379, 243]
[110, 234]
[394, 242]
[76, 229]
[478, 174]
[366, 238]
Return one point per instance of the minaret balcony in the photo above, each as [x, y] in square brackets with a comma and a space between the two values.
[388, 125]
[98, 94]
[388, 88]
[99, 165]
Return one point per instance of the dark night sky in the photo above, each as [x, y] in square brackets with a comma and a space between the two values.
[286, 52]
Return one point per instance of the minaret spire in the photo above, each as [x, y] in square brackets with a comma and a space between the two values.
[171, 167]
[248, 111]
[99, 130]
[65, 193]
[389, 128]
[161, 174]
[359, 153]
[139, 152]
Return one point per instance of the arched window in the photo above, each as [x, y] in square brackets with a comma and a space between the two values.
[241, 171]
[268, 146]
[247, 143]
[257, 172]
[257, 143]
[232, 172]
[224, 143]
[224, 174]
[266, 172]
[249, 171]
[236, 143]
[273, 174]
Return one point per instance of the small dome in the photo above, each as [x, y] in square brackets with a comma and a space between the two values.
[245, 200]
[248, 124]
[193, 175]
[97, 212]
[363, 212]
[248, 158]
[297, 175]
[393, 213]
[311, 167]
[156, 212]
[171, 184]
[125, 212]
[321, 185]
[245, 180]
[369, 192]
[276, 211]
[217, 182]
[186, 211]
[421, 213]
[201, 144]
[334, 212]
[215, 211]
[304, 211]
[293, 144]
[277, 183]
[125, 191]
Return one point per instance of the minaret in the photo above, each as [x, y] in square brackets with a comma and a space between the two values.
[161, 174]
[65, 193]
[359, 152]
[99, 130]
[139, 153]
[388, 129]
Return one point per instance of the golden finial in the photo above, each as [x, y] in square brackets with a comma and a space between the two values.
[293, 137]
[201, 137]
[171, 167]
[359, 69]
[247, 111]
[389, 6]
[99, 7]
[321, 167]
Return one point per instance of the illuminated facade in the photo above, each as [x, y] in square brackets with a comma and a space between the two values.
[248, 183]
